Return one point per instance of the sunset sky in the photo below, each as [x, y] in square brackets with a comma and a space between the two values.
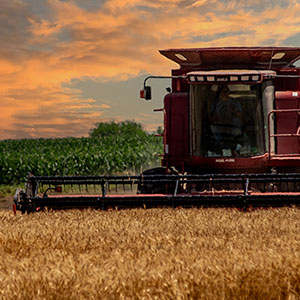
[66, 65]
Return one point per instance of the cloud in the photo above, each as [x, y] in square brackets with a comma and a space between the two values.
[46, 47]
[47, 111]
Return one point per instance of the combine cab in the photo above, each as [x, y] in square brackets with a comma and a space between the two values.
[231, 138]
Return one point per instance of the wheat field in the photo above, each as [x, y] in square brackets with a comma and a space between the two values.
[151, 254]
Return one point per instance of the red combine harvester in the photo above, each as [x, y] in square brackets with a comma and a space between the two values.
[231, 138]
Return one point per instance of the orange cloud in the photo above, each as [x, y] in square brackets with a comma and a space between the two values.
[43, 27]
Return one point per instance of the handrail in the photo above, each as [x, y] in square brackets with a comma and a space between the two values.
[278, 135]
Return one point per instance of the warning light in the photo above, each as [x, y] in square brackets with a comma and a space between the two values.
[58, 189]
[142, 94]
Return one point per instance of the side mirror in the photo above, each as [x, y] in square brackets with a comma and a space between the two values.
[146, 93]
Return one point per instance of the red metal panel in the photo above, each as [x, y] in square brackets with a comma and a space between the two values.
[233, 164]
[176, 125]
[288, 83]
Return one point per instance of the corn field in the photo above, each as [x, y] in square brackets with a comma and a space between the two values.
[151, 254]
[118, 148]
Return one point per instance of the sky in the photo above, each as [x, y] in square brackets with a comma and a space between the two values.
[66, 65]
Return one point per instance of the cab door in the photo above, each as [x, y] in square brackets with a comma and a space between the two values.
[177, 125]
